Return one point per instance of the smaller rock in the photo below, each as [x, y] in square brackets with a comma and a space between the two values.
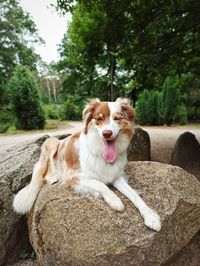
[140, 146]
[186, 152]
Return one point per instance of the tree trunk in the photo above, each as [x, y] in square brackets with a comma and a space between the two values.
[54, 90]
[48, 88]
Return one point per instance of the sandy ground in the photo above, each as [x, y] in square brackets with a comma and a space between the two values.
[162, 143]
[8, 141]
[162, 138]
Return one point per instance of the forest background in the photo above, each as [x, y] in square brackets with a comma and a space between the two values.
[148, 51]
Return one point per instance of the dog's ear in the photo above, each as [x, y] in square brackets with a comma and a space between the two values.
[88, 112]
[127, 109]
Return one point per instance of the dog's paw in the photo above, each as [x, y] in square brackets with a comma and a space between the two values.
[152, 220]
[114, 202]
[52, 179]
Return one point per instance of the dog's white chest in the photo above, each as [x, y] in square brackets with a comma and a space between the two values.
[93, 165]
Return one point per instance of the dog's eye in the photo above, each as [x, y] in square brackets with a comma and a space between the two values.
[117, 118]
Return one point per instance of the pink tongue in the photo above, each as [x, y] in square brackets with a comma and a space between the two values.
[109, 152]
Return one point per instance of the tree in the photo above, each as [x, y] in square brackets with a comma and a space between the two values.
[17, 34]
[23, 92]
[94, 39]
[153, 39]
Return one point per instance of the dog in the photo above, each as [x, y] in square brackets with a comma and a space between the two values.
[90, 160]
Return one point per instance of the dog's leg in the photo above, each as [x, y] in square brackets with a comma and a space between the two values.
[93, 186]
[151, 218]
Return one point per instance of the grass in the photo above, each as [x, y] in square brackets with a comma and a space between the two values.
[50, 125]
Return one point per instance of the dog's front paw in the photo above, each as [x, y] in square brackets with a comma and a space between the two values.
[152, 220]
[114, 202]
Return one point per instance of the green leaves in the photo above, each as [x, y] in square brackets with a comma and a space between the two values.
[24, 97]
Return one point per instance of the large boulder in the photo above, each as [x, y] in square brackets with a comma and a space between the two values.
[189, 255]
[16, 166]
[67, 229]
[140, 146]
[186, 152]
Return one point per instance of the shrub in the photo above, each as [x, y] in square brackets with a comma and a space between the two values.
[170, 99]
[6, 119]
[4, 127]
[23, 94]
[69, 110]
[182, 115]
[148, 108]
[51, 111]
[141, 108]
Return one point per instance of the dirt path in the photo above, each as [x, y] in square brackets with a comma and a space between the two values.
[162, 138]
[6, 142]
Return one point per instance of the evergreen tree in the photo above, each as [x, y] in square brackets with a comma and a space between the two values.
[24, 97]
[171, 97]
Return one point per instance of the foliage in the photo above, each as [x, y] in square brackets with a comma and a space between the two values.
[25, 254]
[148, 108]
[170, 94]
[69, 110]
[143, 41]
[141, 108]
[17, 33]
[51, 111]
[181, 114]
[6, 119]
[156, 108]
[25, 100]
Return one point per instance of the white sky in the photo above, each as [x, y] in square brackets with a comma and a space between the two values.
[51, 26]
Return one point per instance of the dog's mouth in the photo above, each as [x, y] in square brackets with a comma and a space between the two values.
[109, 152]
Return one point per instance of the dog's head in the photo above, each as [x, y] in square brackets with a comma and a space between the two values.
[111, 120]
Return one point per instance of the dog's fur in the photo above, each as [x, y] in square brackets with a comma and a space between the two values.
[90, 160]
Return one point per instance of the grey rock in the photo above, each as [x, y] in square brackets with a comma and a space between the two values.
[140, 146]
[67, 229]
[16, 167]
[186, 152]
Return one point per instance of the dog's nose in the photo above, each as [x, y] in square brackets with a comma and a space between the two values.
[107, 134]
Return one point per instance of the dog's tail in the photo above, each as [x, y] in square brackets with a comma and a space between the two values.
[26, 197]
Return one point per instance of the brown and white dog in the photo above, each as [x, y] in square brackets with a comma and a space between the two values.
[90, 160]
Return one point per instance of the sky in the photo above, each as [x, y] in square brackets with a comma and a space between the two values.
[51, 26]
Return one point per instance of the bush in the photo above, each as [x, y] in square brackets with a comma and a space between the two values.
[6, 119]
[170, 99]
[141, 108]
[148, 108]
[4, 127]
[24, 97]
[69, 110]
[51, 111]
[182, 115]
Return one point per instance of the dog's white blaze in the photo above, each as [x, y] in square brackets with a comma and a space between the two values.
[112, 125]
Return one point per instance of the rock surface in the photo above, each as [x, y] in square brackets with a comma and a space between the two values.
[189, 255]
[16, 167]
[140, 146]
[66, 229]
[186, 152]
